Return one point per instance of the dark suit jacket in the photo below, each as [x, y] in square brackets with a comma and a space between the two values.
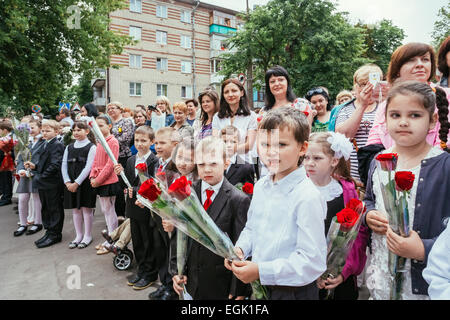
[208, 279]
[132, 210]
[47, 174]
[241, 172]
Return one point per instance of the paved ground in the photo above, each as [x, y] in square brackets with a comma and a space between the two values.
[51, 273]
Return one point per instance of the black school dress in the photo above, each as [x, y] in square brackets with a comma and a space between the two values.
[85, 196]
[347, 290]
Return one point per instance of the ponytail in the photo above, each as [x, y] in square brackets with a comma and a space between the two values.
[442, 105]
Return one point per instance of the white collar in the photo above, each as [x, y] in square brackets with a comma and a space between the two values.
[289, 182]
[81, 143]
[216, 188]
[331, 190]
[144, 158]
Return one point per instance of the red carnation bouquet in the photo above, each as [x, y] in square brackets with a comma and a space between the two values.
[342, 234]
[142, 172]
[247, 188]
[395, 189]
[7, 145]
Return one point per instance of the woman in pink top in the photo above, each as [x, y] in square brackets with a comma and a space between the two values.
[412, 61]
[103, 178]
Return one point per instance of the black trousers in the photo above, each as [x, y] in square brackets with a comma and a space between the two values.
[347, 290]
[308, 292]
[119, 205]
[6, 184]
[52, 210]
[142, 235]
[162, 248]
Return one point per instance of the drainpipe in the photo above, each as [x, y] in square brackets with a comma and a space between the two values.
[197, 3]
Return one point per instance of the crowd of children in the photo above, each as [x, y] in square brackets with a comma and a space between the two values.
[279, 231]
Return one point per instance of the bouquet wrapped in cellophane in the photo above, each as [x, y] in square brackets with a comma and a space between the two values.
[22, 133]
[342, 234]
[395, 188]
[181, 256]
[183, 208]
[101, 139]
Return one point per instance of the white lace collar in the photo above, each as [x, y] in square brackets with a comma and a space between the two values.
[331, 190]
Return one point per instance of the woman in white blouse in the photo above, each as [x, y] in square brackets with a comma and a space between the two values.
[234, 111]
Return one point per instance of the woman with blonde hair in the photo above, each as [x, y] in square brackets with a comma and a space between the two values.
[161, 115]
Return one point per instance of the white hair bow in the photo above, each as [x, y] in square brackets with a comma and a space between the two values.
[341, 146]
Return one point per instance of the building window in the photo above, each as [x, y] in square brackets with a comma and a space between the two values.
[215, 66]
[186, 92]
[161, 11]
[185, 42]
[161, 37]
[135, 33]
[135, 89]
[136, 5]
[186, 67]
[186, 16]
[161, 90]
[161, 64]
[135, 61]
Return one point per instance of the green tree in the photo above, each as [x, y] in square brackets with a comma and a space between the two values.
[317, 45]
[381, 39]
[441, 28]
[43, 43]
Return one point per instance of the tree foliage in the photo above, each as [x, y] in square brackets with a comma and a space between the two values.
[382, 39]
[44, 42]
[315, 43]
[441, 28]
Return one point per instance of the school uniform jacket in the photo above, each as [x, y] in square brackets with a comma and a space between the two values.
[36, 152]
[132, 210]
[208, 279]
[240, 172]
[47, 174]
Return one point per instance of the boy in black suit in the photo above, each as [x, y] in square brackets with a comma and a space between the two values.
[206, 277]
[49, 182]
[144, 233]
[165, 141]
[238, 171]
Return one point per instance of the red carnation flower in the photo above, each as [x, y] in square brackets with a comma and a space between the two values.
[142, 167]
[404, 180]
[150, 190]
[388, 161]
[180, 188]
[247, 188]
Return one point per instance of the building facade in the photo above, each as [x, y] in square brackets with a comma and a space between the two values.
[177, 53]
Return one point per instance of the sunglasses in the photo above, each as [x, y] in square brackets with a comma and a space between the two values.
[315, 91]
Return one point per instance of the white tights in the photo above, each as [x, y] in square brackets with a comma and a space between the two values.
[80, 215]
[107, 205]
[24, 199]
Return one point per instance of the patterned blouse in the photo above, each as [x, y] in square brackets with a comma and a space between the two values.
[123, 131]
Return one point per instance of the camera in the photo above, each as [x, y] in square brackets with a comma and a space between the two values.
[151, 107]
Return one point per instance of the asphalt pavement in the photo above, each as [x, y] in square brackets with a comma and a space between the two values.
[57, 272]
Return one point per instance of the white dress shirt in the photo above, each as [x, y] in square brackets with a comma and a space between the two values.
[437, 271]
[140, 160]
[206, 186]
[285, 231]
[87, 169]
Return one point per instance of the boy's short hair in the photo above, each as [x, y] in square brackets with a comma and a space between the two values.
[146, 130]
[287, 117]
[167, 130]
[51, 123]
[6, 124]
[194, 101]
[180, 106]
[230, 130]
[210, 145]
[36, 121]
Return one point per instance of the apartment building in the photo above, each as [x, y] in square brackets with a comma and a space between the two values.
[177, 54]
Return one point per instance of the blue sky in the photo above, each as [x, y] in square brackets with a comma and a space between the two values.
[415, 17]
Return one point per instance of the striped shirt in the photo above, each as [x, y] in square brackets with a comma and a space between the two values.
[361, 135]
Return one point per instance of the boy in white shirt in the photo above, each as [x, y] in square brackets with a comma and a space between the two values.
[284, 232]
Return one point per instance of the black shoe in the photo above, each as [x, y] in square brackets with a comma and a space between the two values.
[142, 284]
[169, 295]
[5, 202]
[156, 295]
[35, 228]
[51, 240]
[41, 239]
[105, 235]
[20, 231]
[133, 279]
